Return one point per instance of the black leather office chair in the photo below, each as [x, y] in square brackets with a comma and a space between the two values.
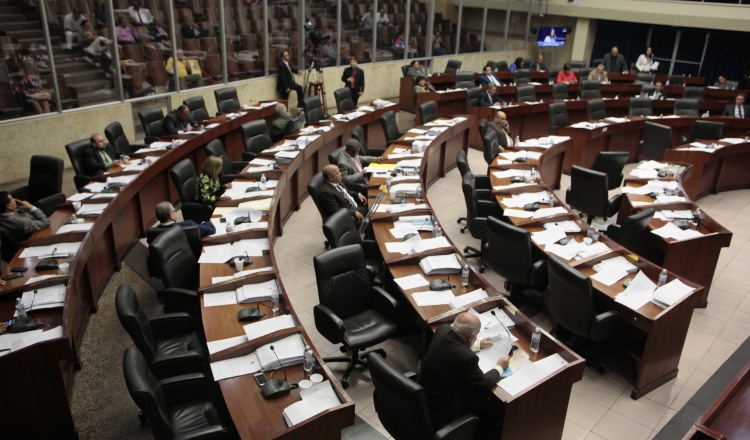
[197, 108]
[525, 93]
[401, 404]
[491, 146]
[646, 90]
[644, 78]
[405, 70]
[552, 77]
[168, 342]
[694, 92]
[351, 312]
[502, 66]
[558, 116]
[492, 64]
[632, 229]
[657, 139]
[686, 107]
[427, 111]
[611, 163]
[294, 125]
[226, 100]
[472, 97]
[116, 137]
[588, 193]
[194, 240]
[344, 102]
[640, 107]
[313, 188]
[511, 255]
[477, 212]
[179, 271]
[570, 302]
[256, 138]
[333, 156]
[44, 188]
[340, 230]
[177, 407]
[10, 245]
[560, 91]
[522, 76]
[184, 179]
[229, 169]
[314, 110]
[465, 80]
[452, 66]
[708, 130]
[482, 183]
[577, 64]
[482, 127]
[75, 153]
[365, 150]
[390, 127]
[151, 121]
[595, 110]
[591, 89]
[676, 80]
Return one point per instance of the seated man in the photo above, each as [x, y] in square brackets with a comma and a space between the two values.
[739, 109]
[166, 214]
[502, 128]
[190, 30]
[450, 374]
[599, 74]
[352, 166]
[658, 92]
[489, 97]
[188, 70]
[101, 156]
[278, 126]
[721, 82]
[487, 77]
[177, 120]
[333, 196]
[21, 218]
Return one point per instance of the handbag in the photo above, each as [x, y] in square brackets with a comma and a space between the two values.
[41, 96]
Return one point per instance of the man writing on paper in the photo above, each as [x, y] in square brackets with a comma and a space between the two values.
[177, 120]
[333, 196]
[451, 376]
[166, 214]
[21, 218]
[101, 156]
[352, 166]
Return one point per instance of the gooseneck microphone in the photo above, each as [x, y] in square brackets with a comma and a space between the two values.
[276, 387]
[501, 323]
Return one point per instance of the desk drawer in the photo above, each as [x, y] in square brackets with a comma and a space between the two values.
[636, 320]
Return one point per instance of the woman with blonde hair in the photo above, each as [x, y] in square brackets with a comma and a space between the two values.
[208, 188]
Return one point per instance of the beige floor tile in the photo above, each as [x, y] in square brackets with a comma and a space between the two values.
[645, 411]
[614, 426]
[697, 379]
[599, 390]
[665, 394]
[593, 436]
[574, 431]
[584, 412]
[681, 399]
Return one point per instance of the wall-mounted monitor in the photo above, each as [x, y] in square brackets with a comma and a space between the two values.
[552, 36]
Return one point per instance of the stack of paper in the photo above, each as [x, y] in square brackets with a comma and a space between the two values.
[669, 230]
[404, 190]
[669, 215]
[268, 326]
[10, 342]
[440, 264]
[638, 293]
[411, 281]
[304, 141]
[670, 293]
[234, 367]
[240, 274]
[531, 373]
[289, 350]
[284, 157]
[223, 344]
[57, 250]
[520, 200]
[242, 295]
[548, 236]
[121, 180]
[613, 270]
[45, 297]
[315, 400]
[79, 196]
[433, 297]
[513, 155]
[224, 252]
[567, 226]
[91, 210]
[468, 298]
[400, 207]
[75, 227]
[489, 356]
[510, 173]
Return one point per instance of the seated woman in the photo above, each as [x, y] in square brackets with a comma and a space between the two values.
[208, 188]
[566, 75]
[517, 64]
[35, 96]
[423, 86]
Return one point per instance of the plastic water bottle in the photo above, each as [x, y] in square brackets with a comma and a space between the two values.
[230, 228]
[20, 309]
[533, 174]
[419, 194]
[309, 360]
[697, 218]
[465, 276]
[662, 278]
[517, 141]
[536, 338]
[275, 302]
[388, 183]
[263, 180]
[436, 231]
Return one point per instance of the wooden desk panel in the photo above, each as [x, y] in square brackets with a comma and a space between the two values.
[727, 416]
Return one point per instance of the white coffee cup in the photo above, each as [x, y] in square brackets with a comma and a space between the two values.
[316, 378]
[64, 268]
[239, 263]
[76, 206]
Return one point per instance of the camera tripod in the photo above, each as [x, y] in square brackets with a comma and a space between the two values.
[313, 83]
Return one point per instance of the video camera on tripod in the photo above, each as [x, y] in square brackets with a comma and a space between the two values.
[316, 37]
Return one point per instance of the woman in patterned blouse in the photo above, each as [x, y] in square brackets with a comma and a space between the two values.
[208, 188]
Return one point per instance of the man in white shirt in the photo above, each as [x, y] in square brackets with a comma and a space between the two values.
[381, 17]
[140, 15]
[72, 25]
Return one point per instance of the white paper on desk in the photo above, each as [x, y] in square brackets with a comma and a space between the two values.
[401, 230]
[261, 162]
[248, 227]
[315, 400]
[400, 207]
[433, 298]
[489, 356]
[59, 250]
[584, 125]
[520, 200]
[284, 146]
[404, 155]
[417, 131]
[267, 326]
[135, 167]
[254, 292]
[548, 212]
[42, 278]
[416, 219]
[219, 298]
[638, 293]
[75, 227]
[616, 120]
[566, 225]
[501, 161]
[258, 169]
[733, 140]
[651, 165]
[609, 275]
[593, 249]
[430, 244]
[511, 186]
[698, 145]
[488, 320]
[509, 173]
[566, 252]
[411, 281]
[104, 196]
[618, 262]
[7, 339]
[366, 108]
[550, 364]
[669, 215]
[234, 367]
[669, 230]
[400, 247]
[44, 297]
[548, 236]
[518, 213]
[468, 298]
[35, 338]
[523, 378]
[91, 209]
[644, 174]
[223, 344]
[159, 146]
[670, 199]
[79, 196]
[670, 293]
[122, 179]
[240, 274]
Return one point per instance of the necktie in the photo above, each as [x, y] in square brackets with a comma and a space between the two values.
[352, 83]
[738, 112]
[347, 196]
[105, 157]
[140, 18]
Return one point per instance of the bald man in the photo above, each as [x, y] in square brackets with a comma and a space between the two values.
[502, 128]
[450, 371]
[334, 196]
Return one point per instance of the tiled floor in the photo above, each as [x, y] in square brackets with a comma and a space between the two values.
[600, 406]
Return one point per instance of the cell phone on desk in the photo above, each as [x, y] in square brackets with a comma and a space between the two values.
[12, 276]
[260, 378]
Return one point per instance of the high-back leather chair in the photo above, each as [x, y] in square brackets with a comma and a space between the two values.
[427, 111]
[344, 102]
[647, 90]
[168, 342]
[197, 108]
[525, 93]
[116, 137]
[229, 169]
[333, 156]
[611, 163]
[183, 409]
[313, 188]
[472, 97]
[595, 109]
[256, 138]
[151, 121]
[588, 193]
[558, 116]
[686, 107]
[452, 66]
[390, 127]
[314, 110]
[193, 235]
[491, 146]
[184, 179]
[465, 80]
[75, 153]
[522, 76]
[340, 230]
[676, 80]
[590, 89]
[351, 312]
[365, 150]
[577, 64]
[477, 212]
[405, 70]
[10, 245]
[632, 229]
[705, 130]
[560, 91]
[401, 405]
[694, 92]
[570, 301]
[657, 139]
[644, 78]
[294, 125]
[502, 66]
[640, 107]
[492, 64]
[226, 100]
[172, 251]
[44, 188]
[511, 255]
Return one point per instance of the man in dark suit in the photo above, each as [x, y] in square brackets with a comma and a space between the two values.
[352, 166]
[539, 63]
[739, 109]
[334, 196]
[502, 129]
[278, 126]
[614, 62]
[165, 213]
[101, 156]
[177, 120]
[450, 374]
[286, 80]
[489, 97]
[354, 78]
[487, 77]
[657, 93]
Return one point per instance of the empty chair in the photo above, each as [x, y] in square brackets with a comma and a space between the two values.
[502, 66]
[116, 137]
[401, 405]
[179, 271]
[229, 169]
[611, 163]
[351, 312]
[344, 102]
[525, 93]
[184, 179]
[226, 100]
[560, 91]
[522, 76]
[197, 108]
[558, 116]
[577, 64]
[632, 229]
[472, 97]
[595, 110]
[465, 80]
[340, 230]
[686, 107]
[676, 80]
[365, 150]
[591, 89]
[640, 107]
[705, 130]
[511, 255]
[193, 234]
[390, 127]
[481, 183]
[694, 92]
[452, 66]
[588, 193]
[491, 146]
[657, 139]
[44, 188]
[405, 70]
[256, 138]
[151, 121]
[644, 78]
[427, 111]
[76, 151]
[477, 212]
[314, 110]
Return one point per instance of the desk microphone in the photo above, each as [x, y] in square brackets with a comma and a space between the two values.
[48, 263]
[276, 387]
[251, 313]
[501, 323]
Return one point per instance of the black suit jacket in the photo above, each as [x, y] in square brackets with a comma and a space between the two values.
[539, 66]
[729, 110]
[486, 101]
[286, 80]
[501, 138]
[331, 200]
[359, 80]
[92, 161]
[614, 65]
[451, 377]
[171, 124]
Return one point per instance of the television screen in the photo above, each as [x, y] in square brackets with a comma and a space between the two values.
[552, 36]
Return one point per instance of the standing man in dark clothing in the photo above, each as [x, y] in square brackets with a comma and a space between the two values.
[286, 80]
[354, 79]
